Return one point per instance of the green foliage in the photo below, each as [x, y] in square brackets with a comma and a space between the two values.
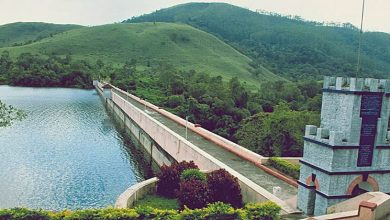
[194, 174]
[208, 101]
[222, 211]
[22, 33]
[169, 178]
[279, 133]
[297, 95]
[262, 211]
[23, 214]
[158, 202]
[193, 194]
[224, 188]
[289, 46]
[216, 211]
[284, 166]
[149, 44]
[8, 114]
[35, 71]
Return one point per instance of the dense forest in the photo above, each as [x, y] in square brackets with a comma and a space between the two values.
[226, 108]
[35, 71]
[288, 46]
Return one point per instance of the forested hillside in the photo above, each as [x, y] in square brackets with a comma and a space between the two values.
[22, 33]
[150, 44]
[290, 47]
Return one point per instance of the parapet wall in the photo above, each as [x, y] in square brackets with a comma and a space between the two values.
[242, 152]
[180, 149]
[357, 84]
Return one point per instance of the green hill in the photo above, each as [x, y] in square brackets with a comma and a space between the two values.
[177, 44]
[289, 46]
[27, 32]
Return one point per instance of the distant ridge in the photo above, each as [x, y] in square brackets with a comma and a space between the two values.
[177, 44]
[26, 32]
[293, 48]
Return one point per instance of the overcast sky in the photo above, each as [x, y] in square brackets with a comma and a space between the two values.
[96, 12]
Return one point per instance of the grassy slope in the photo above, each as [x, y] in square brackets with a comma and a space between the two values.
[180, 45]
[288, 46]
[22, 32]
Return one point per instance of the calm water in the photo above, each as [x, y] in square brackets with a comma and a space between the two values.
[67, 153]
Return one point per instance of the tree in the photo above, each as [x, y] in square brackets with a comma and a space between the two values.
[8, 114]
[238, 93]
[279, 133]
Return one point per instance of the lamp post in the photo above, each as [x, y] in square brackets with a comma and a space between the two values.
[187, 127]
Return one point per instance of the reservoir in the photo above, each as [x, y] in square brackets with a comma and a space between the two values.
[69, 153]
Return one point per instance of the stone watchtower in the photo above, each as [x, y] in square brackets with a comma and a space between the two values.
[349, 154]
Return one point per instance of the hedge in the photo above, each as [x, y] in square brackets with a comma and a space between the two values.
[260, 211]
[284, 166]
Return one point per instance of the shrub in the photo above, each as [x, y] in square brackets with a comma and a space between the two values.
[195, 174]
[262, 211]
[285, 167]
[221, 211]
[192, 214]
[146, 212]
[193, 194]
[23, 214]
[184, 165]
[216, 211]
[109, 213]
[169, 176]
[224, 188]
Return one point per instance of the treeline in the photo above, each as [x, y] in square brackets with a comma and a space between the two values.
[36, 71]
[269, 121]
[290, 47]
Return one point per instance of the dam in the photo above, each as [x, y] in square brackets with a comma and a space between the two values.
[166, 138]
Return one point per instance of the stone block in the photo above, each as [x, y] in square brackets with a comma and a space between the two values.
[359, 84]
[326, 82]
[322, 133]
[339, 83]
[310, 130]
[335, 138]
[352, 84]
[374, 83]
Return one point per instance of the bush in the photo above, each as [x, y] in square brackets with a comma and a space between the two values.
[146, 212]
[285, 167]
[23, 214]
[169, 176]
[193, 194]
[224, 188]
[109, 213]
[195, 174]
[216, 211]
[262, 211]
[222, 211]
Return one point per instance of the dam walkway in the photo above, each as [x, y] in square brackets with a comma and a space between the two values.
[284, 191]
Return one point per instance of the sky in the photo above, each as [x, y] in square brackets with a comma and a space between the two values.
[97, 12]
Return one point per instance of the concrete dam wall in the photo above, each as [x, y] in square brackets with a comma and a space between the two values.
[166, 146]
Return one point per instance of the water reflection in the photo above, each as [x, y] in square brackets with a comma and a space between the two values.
[68, 152]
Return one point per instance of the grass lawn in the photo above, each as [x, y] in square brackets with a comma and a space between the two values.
[159, 202]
